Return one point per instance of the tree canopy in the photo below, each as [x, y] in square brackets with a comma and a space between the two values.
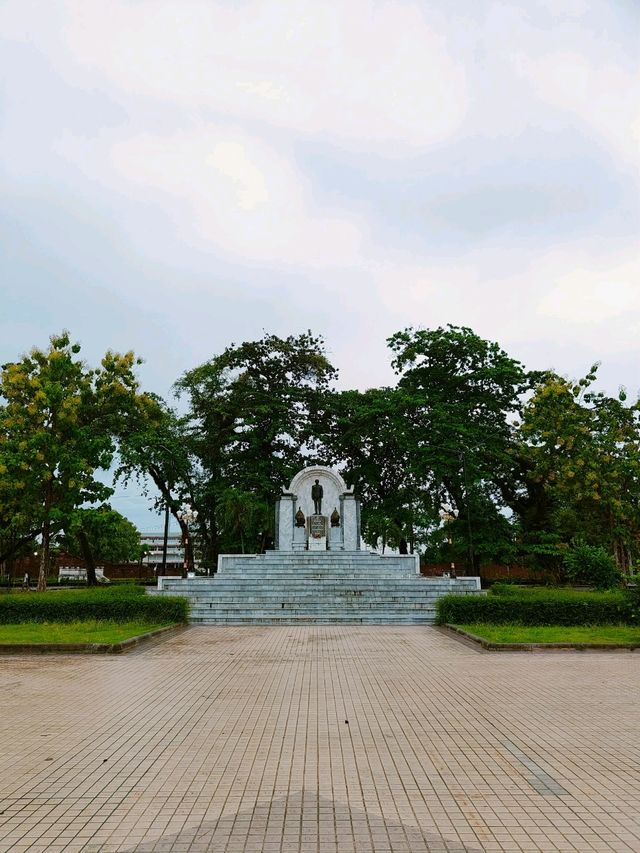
[468, 457]
[58, 425]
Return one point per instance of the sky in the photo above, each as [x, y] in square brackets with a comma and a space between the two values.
[178, 175]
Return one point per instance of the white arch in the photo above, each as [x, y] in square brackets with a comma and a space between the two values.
[317, 472]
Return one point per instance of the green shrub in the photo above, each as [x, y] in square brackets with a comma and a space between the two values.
[553, 592]
[592, 566]
[540, 607]
[120, 604]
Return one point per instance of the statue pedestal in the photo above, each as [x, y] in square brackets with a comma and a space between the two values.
[319, 544]
[299, 538]
[317, 528]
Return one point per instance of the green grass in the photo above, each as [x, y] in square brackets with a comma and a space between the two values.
[609, 634]
[86, 631]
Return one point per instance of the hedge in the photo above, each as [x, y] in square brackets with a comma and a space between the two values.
[555, 593]
[68, 606]
[545, 607]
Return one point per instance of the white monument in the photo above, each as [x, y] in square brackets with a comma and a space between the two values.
[318, 513]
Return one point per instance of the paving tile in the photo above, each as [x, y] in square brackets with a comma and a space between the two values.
[320, 738]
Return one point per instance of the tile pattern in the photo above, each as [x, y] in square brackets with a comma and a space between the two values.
[330, 739]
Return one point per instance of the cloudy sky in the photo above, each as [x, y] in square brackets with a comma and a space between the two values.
[181, 174]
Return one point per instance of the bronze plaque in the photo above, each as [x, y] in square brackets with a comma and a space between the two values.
[317, 526]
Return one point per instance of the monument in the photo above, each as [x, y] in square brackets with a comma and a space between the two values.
[317, 512]
[317, 573]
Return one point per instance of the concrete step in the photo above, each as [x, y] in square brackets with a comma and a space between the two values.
[399, 618]
[303, 588]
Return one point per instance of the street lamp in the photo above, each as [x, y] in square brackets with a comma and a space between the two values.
[188, 516]
[448, 514]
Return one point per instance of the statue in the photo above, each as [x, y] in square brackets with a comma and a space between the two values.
[300, 519]
[316, 493]
[335, 517]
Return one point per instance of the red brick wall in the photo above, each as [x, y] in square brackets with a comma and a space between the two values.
[490, 572]
[31, 564]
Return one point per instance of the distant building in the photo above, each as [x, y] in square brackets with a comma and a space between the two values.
[175, 551]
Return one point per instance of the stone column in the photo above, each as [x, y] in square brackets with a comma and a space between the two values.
[350, 522]
[285, 522]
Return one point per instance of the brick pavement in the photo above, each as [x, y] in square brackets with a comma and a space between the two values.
[236, 739]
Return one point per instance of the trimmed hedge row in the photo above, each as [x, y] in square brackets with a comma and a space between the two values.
[68, 606]
[555, 593]
[572, 608]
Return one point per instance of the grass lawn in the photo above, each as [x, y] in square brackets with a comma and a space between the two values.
[88, 631]
[555, 633]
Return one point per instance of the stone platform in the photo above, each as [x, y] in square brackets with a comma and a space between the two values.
[315, 588]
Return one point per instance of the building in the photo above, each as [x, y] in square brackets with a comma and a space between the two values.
[175, 552]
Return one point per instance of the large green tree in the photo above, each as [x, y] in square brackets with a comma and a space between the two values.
[101, 535]
[249, 424]
[58, 422]
[583, 453]
[461, 394]
[252, 418]
[365, 433]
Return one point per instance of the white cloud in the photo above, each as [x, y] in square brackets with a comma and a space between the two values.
[229, 191]
[594, 296]
[369, 73]
[596, 89]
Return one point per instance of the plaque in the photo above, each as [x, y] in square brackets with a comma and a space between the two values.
[317, 526]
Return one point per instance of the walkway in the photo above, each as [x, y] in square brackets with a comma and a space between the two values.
[320, 739]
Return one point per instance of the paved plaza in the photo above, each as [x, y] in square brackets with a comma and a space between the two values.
[320, 739]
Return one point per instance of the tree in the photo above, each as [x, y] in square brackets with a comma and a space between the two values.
[461, 394]
[57, 428]
[157, 446]
[582, 449]
[103, 535]
[250, 422]
[252, 415]
[365, 433]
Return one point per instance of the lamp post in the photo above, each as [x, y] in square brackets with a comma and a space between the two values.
[188, 516]
[448, 514]
[165, 540]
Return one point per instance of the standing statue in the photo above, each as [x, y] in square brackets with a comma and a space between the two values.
[316, 493]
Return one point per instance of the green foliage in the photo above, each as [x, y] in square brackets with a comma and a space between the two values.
[121, 604]
[591, 565]
[538, 607]
[58, 424]
[459, 393]
[249, 423]
[581, 452]
[111, 537]
[366, 433]
[528, 461]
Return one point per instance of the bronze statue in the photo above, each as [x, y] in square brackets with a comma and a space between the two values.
[316, 494]
[300, 519]
[335, 517]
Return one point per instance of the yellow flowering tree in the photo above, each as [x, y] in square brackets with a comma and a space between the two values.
[584, 449]
[58, 423]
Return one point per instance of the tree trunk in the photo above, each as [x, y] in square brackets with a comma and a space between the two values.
[87, 553]
[186, 540]
[44, 555]
[46, 540]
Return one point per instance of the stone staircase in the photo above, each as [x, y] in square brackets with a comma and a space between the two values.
[342, 587]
